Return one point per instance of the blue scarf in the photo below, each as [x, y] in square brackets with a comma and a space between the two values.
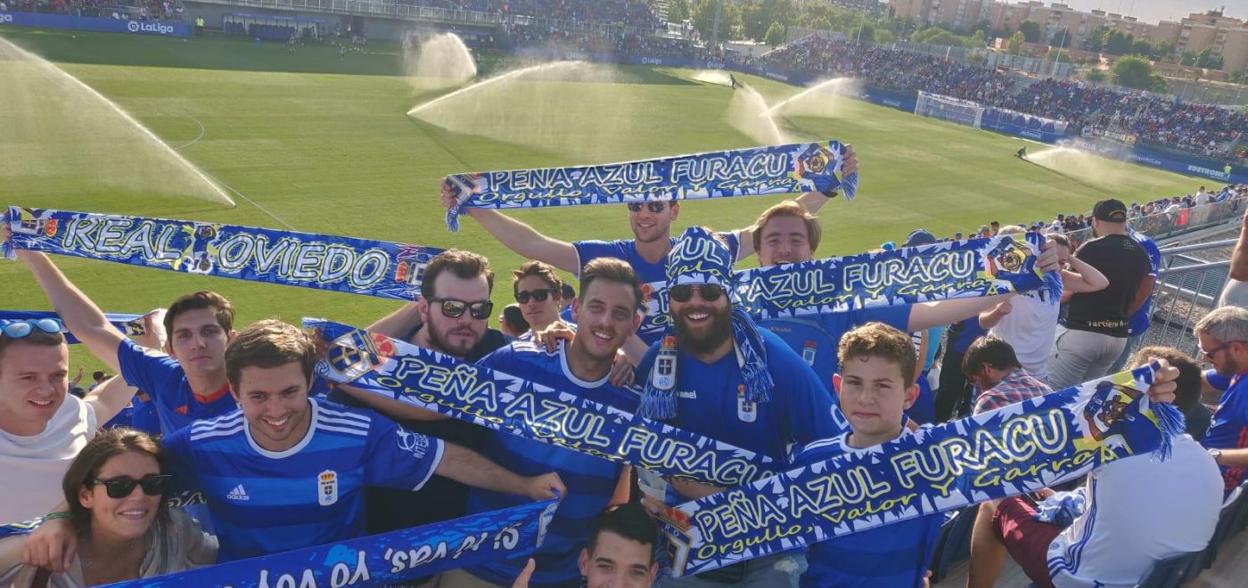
[323, 262]
[1005, 452]
[379, 559]
[904, 276]
[501, 402]
[758, 171]
[701, 258]
[130, 324]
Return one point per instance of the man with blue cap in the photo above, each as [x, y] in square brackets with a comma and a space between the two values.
[722, 376]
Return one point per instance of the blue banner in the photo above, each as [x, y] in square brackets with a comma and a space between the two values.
[129, 324]
[1191, 165]
[941, 271]
[394, 369]
[378, 559]
[164, 28]
[758, 171]
[1005, 452]
[322, 262]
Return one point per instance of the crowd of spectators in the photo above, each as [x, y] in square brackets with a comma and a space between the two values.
[118, 9]
[1072, 222]
[1198, 128]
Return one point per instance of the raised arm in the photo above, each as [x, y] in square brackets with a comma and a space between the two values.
[83, 318]
[110, 398]
[519, 237]
[469, 467]
[1083, 278]
[397, 324]
[1239, 259]
[811, 201]
[395, 409]
[925, 315]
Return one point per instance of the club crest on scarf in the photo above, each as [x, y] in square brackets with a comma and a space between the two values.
[324, 262]
[1009, 451]
[757, 171]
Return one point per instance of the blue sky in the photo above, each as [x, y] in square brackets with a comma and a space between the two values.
[1156, 10]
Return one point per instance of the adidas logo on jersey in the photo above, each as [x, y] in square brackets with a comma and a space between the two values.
[238, 494]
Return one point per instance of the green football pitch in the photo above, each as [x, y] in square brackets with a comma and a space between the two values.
[324, 143]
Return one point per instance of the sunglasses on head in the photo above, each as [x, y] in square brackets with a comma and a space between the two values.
[684, 292]
[20, 329]
[121, 487]
[655, 207]
[452, 308]
[523, 296]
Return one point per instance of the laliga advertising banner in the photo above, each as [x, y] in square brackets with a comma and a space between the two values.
[323, 262]
[164, 28]
[380, 559]
[1005, 452]
[757, 171]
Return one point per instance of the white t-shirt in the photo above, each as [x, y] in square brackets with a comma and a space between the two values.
[1139, 511]
[1235, 293]
[34, 466]
[1031, 327]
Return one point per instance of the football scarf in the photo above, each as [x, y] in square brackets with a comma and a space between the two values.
[377, 560]
[758, 171]
[393, 369]
[323, 262]
[941, 271]
[1005, 452]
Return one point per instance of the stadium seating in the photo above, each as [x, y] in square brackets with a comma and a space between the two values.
[1160, 121]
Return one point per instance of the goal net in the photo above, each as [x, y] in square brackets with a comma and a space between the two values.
[951, 109]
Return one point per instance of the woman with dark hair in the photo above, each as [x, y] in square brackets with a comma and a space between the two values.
[116, 489]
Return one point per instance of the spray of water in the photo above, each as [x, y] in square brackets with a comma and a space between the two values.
[56, 130]
[1083, 166]
[569, 107]
[822, 100]
[441, 61]
[713, 76]
[749, 114]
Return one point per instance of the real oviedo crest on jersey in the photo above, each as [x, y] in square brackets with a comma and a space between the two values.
[327, 488]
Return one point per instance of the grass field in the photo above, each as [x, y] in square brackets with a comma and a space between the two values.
[324, 143]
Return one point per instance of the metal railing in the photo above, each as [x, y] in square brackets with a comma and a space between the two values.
[1187, 288]
[1166, 224]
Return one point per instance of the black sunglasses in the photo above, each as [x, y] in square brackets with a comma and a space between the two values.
[523, 296]
[452, 308]
[152, 484]
[655, 207]
[684, 292]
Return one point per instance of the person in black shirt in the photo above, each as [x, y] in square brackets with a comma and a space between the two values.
[1094, 330]
[449, 318]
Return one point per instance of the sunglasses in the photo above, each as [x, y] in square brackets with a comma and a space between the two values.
[523, 296]
[20, 329]
[655, 207]
[152, 484]
[684, 292]
[452, 308]
[1212, 352]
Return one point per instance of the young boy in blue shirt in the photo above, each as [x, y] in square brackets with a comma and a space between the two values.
[874, 387]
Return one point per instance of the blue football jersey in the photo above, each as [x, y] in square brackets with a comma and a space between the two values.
[590, 480]
[264, 502]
